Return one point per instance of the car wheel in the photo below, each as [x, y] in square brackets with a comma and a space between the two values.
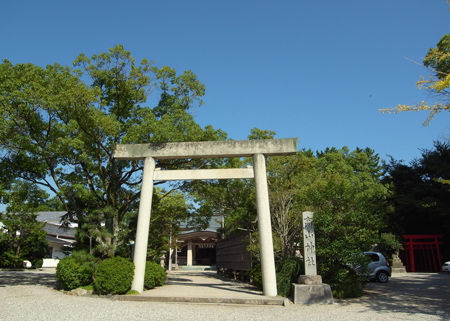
[382, 277]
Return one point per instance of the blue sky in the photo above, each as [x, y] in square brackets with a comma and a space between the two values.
[316, 70]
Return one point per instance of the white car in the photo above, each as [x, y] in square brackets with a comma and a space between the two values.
[446, 267]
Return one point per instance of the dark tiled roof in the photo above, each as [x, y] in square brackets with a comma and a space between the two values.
[197, 234]
[53, 217]
[56, 229]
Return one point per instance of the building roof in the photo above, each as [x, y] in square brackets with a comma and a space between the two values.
[54, 217]
[58, 230]
[51, 217]
[200, 235]
[55, 240]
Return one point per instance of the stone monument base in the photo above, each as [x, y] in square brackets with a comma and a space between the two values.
[310, 279]
[311, 290]
[312, 294]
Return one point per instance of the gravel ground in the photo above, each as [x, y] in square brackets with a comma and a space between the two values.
[31, 296]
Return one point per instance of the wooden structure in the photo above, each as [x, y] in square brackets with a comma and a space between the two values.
[232, 253]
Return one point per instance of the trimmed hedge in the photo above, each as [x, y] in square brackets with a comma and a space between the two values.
[113, 276]
[155, 275]
[75, 271]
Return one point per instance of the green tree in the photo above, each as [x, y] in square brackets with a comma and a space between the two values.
[234, 199]
[288, 178]
[22, 237]
[438, 61]
[349, 201]
[169, 210]
[60, 125]
[344, 190]
[421, 194]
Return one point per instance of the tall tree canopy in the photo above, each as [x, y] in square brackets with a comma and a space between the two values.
[421, 194]
[59, 127]
[343, 188]
[438, 61]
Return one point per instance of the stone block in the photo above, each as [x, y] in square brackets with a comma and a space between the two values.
[312, 294]
[310, 279]
[78, 292]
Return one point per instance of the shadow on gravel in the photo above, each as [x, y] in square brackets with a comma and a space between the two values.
[27, 277]
[214, 281]
[411, 293]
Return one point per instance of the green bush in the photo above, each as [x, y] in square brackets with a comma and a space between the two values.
[113, 276]
[388, 245]
[287, 273]
[256, 275]
[68, 273]
[344, 273]
[347, 285]
[76, 270]
[155, 275]
[289, 270]
[37, 263]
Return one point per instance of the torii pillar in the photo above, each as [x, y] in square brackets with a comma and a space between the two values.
[257, 149]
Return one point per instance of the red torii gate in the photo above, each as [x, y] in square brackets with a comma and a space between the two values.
[428, 250]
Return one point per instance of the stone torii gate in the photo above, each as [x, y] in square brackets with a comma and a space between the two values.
[257, 149]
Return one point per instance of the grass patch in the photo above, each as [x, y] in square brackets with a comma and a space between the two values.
[89, 287]
[132, 292]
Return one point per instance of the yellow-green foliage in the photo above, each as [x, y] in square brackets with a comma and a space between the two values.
[438, 60]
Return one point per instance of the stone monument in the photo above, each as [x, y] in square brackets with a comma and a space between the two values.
[310, 289]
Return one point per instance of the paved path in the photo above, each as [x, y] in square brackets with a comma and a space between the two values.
[204, 287]
[44, 277]
[206, 283]
[418, 296]
[427, 293]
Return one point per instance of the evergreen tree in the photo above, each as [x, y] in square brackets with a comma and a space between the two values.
[60, 125]
[22, 237]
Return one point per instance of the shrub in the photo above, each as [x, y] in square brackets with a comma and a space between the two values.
[344, 273]
[288, 273]
[68, 273]
[388, 245]
[256, 275]
[37, 263]
[113, 276]
[347, 285]
[76, 270]
[155, 275]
